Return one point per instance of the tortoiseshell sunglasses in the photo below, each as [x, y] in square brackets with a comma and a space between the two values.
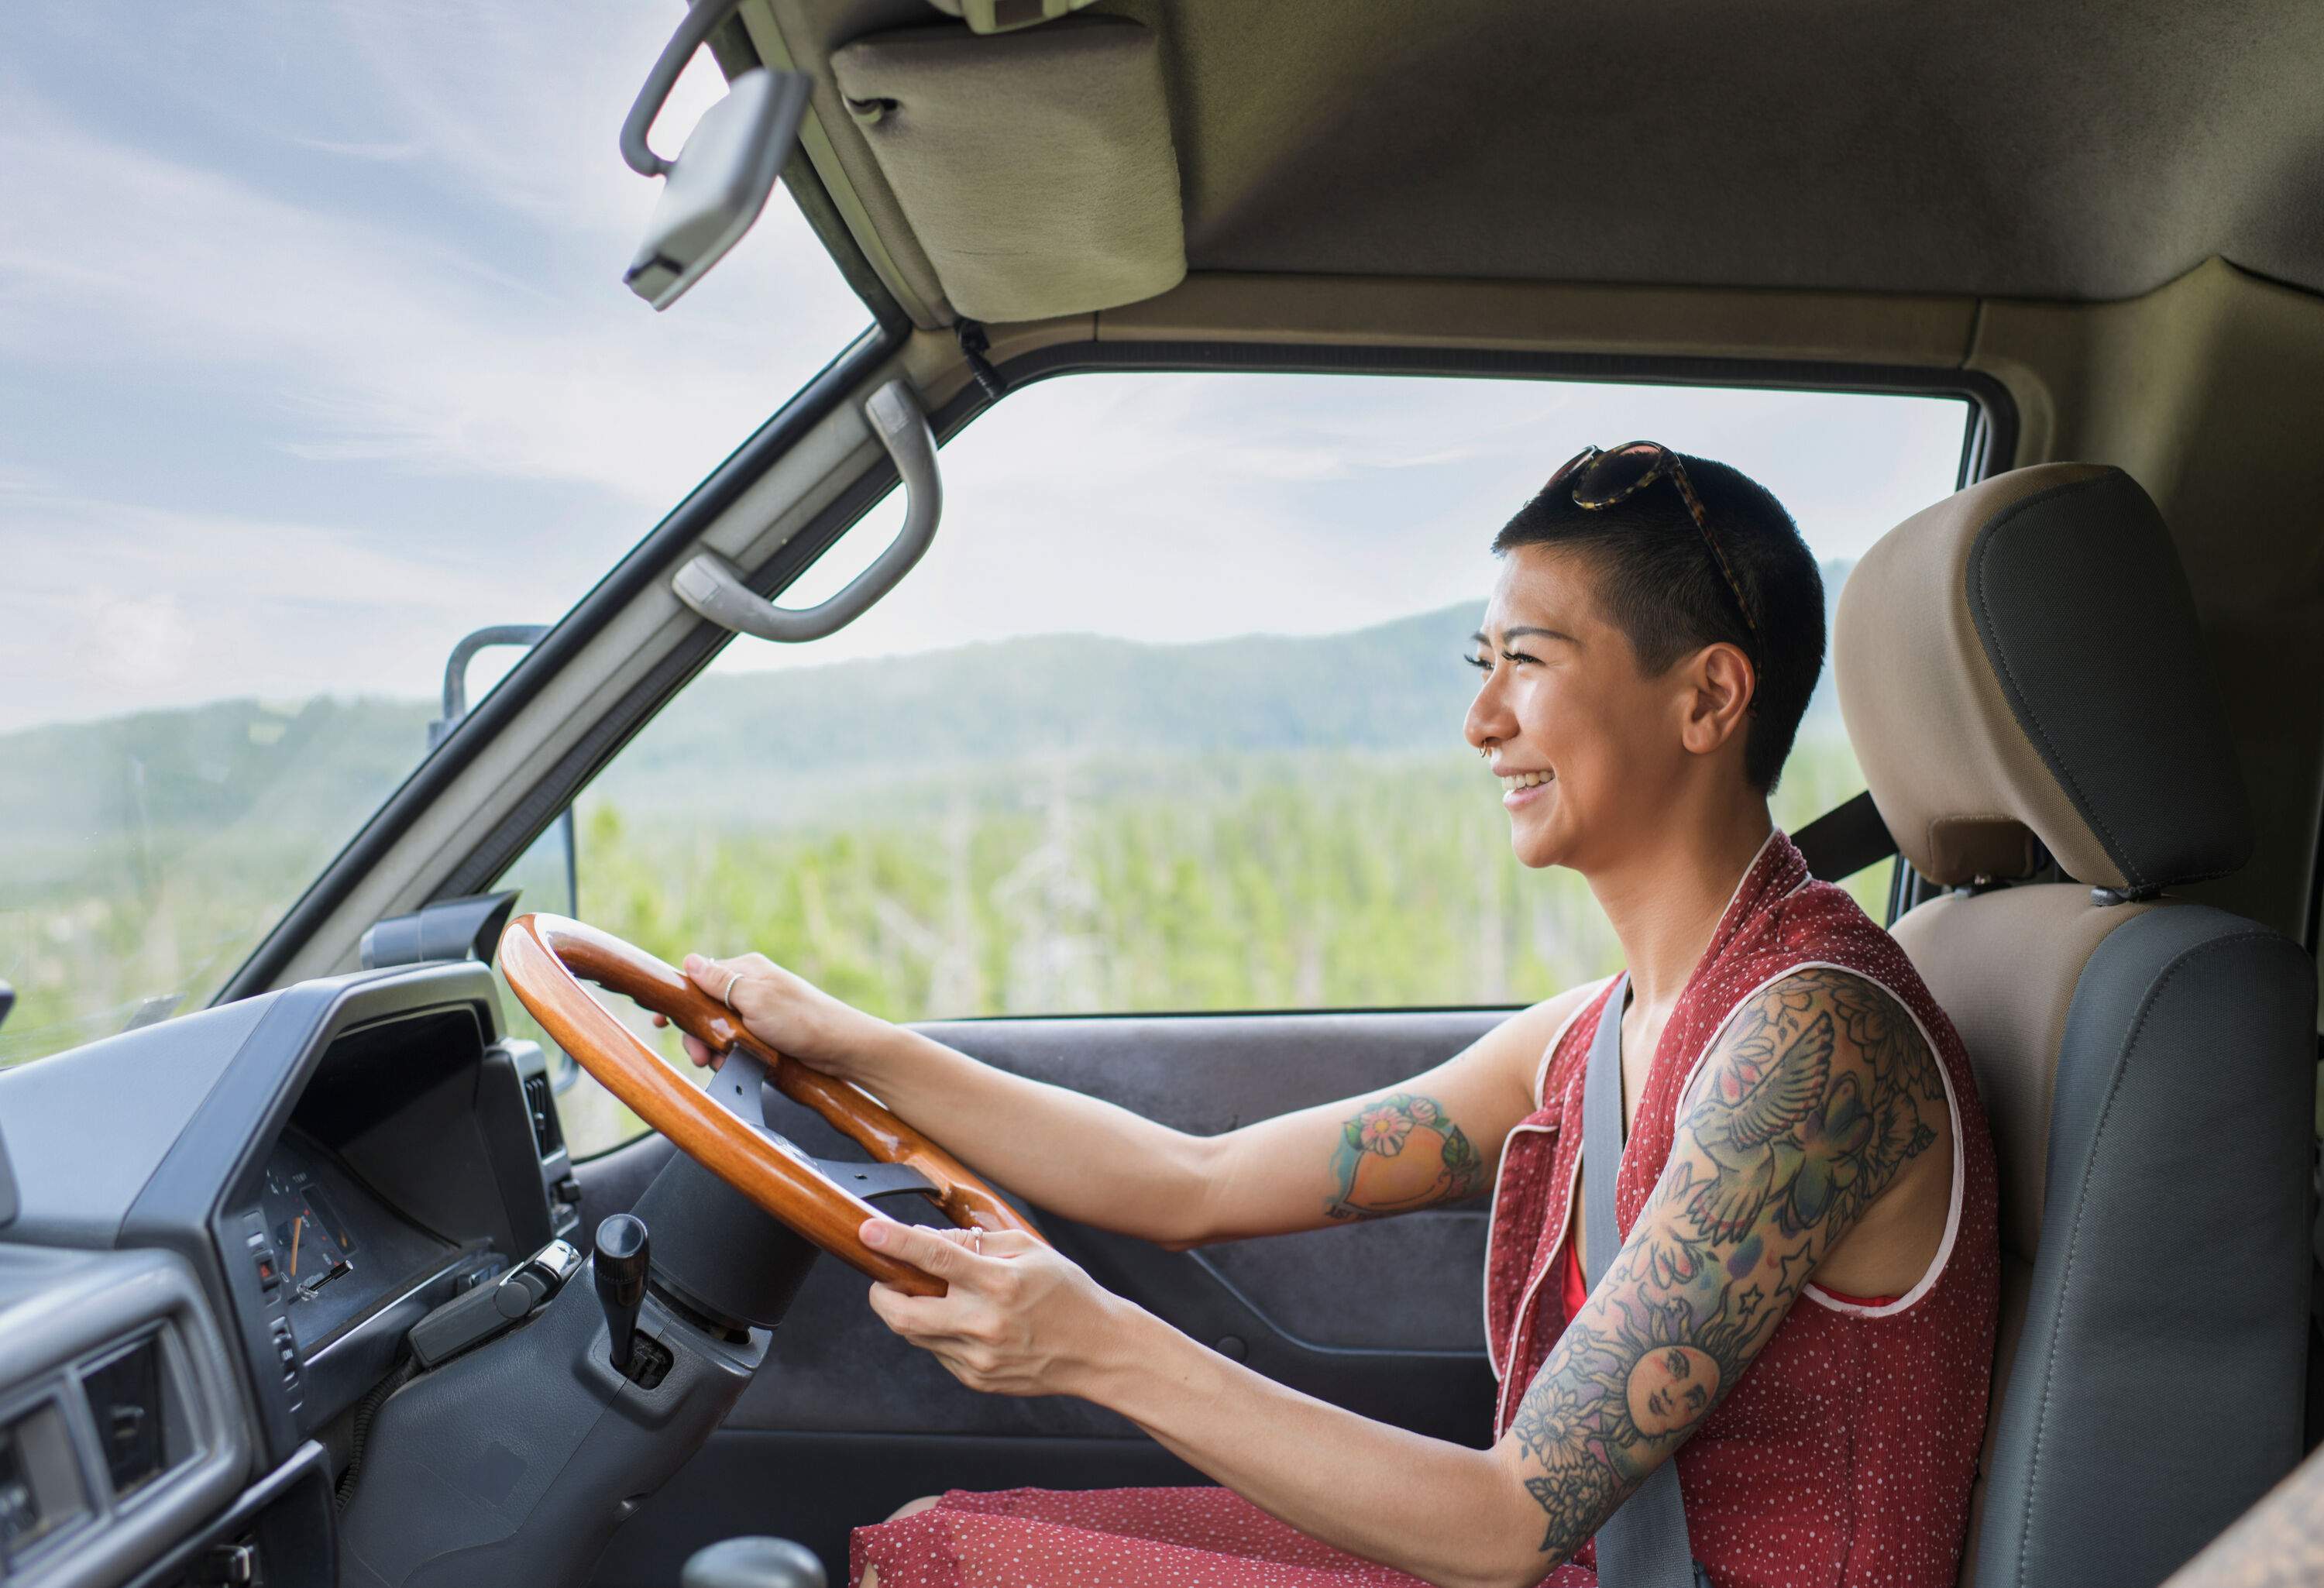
[1602, 478]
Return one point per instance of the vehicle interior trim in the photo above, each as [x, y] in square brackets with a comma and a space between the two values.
[60, 1311]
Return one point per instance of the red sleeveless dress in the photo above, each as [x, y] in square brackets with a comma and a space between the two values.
[1842, 1459]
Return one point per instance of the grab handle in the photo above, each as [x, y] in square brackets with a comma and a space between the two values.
[714, 586]
[700, 22]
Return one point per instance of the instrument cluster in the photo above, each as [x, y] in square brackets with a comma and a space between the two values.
[333, 1249]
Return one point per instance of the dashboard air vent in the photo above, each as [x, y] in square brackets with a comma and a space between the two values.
[546, 1136]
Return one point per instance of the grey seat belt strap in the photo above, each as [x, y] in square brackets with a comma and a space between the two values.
[1644, 1544]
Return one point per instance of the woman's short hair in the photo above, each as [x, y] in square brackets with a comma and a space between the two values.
[1662, 587]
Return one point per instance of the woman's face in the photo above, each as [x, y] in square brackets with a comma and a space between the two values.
[1563, 706]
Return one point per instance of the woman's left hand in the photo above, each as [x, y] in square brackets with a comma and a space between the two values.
[1017, 1318]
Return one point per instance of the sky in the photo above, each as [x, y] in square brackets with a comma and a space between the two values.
[315, 355]
[314, 348]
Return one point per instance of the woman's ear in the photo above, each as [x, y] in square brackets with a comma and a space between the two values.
[1720, 683]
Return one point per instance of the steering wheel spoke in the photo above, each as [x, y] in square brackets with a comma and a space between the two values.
[723, 1127]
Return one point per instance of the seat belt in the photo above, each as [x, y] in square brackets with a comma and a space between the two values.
[1644, 1544]
[1844, 840]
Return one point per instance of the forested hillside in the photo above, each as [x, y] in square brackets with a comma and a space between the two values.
[1061, 822]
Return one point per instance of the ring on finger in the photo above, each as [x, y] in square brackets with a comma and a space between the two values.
[727, 997]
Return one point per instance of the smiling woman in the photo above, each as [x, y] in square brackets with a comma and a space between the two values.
[1169, 719]
[315, 357]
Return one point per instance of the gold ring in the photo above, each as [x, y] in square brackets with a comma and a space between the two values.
[727, 997]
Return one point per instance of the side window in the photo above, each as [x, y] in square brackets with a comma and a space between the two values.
[1170, 717]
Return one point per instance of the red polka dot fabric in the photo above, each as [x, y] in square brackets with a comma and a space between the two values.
[1843, 1458]
[1845, 1455]
[1115, 1538]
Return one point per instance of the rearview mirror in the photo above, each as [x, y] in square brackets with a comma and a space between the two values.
[722, 177]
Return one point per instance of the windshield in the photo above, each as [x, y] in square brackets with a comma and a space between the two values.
[315, 357]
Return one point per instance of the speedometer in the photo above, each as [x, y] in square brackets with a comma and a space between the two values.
[311, 1241]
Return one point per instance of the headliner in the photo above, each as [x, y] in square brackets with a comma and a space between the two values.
[2005, 148]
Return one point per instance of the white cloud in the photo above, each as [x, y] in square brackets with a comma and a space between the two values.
[1178, 507]
[384, 335]
[375, 153]
[388, 347]
[380, 246]
[112, 606]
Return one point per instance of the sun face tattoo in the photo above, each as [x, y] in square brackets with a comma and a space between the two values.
[1400, 1152]
[1817, 1096]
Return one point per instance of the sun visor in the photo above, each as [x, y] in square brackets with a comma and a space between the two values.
[1035, 168]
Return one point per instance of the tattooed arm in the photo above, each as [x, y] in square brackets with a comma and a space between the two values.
[1436, 1139]
[1818, 1104]
[1820, 1098]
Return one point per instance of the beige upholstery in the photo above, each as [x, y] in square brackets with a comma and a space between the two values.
[1905, 655]
[2004, 966]
[1036, 168]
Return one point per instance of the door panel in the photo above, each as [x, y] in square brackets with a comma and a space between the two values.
[1383, 1318]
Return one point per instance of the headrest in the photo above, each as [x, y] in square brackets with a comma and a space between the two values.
[2021, 661]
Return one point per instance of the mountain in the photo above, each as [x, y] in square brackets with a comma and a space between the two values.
[731, 739]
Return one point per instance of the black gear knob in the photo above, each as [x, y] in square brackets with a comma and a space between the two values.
[619, 1266]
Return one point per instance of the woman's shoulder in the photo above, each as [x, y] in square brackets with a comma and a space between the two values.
[1533, 1034]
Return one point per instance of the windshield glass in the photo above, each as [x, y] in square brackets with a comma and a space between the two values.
[315, 356]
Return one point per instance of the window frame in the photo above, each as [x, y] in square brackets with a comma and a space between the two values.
[1988, 442]
[1989, 445]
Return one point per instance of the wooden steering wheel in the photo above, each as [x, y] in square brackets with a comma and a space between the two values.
[545, 958]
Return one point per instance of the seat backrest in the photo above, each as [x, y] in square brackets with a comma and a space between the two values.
[2021, 671]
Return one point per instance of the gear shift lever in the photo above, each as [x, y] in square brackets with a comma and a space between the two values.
[753, 1563]
[619, 1267]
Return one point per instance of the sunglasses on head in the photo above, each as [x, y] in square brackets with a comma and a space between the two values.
[1601, 478]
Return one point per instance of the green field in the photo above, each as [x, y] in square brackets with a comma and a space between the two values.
[1200, 883]
[1342, 881]
[1082, 826]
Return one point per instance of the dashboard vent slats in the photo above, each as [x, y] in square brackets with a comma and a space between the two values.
[546, 1136]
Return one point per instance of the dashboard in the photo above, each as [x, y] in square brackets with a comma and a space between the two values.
[216, 1233]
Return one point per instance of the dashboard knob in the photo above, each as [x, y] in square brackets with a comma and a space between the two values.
[753, 1563]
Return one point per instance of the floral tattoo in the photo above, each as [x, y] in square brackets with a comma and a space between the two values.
[1400, 1152]
[1819, 1094]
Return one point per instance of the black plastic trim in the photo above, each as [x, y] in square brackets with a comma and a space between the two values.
[295, 1548]
[646, 562]
[1844, 840]
[191, 1203]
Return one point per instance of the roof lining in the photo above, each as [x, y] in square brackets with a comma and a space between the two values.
[2015, 153]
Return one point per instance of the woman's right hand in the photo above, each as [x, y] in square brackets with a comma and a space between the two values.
[788, 1013]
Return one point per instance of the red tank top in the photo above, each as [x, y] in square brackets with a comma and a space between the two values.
[1844, 1456]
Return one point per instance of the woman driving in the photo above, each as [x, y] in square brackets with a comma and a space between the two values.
[1741, 1282]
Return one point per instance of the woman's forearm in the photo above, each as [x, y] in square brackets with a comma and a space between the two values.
[1073, 1154]
[1453, 1516]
